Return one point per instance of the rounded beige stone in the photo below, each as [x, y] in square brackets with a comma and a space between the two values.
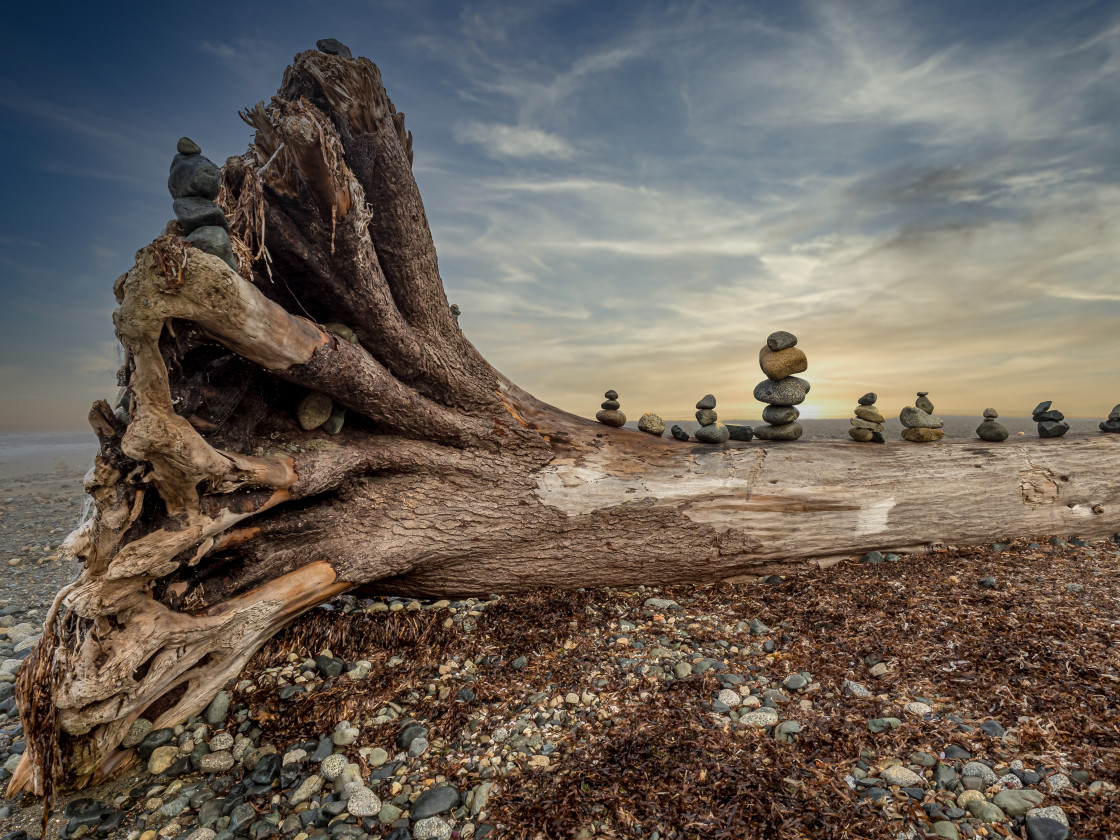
[778, 364]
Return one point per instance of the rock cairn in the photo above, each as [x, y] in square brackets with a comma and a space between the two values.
[610, 414]
[1112, 424]
[920, 426]
[194, 183]
[1051, 422]
[991, 430]
[652, 424]
[781, 390]
[710, 431]
[867, 425]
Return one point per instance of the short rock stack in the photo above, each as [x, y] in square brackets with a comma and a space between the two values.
[867, 425]
[652, 424]
[194, 183]
[1051, 422]
[781, 390]
[920, 426]
[990, 430]
[710, 431]
[1112, 424]
[610, 414]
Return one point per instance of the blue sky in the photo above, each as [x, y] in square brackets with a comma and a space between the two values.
[627, 195]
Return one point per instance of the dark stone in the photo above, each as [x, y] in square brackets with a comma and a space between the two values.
[519, 664]
[781, 340]
[874, 793]
[611, 405]
[194, 212]
[877, 437]
[385, 771]
[922, 403]
[706, 403]
[992, 431]
[241, 815]
[915, 793]
[944, 776]
[153, 740]
[1044, 828]
[410, 733]
[194, 175]
[267, 769]
[323, 751]
[787, 431]
[869, 398]
[706, 416]
[872, 557]
[987, 583]
[1027, 777]
[779, 415]
[186, 146]
[262, 829]
[290, 692]
[773, 579]
[788, 391]
[1058, 542]
[200, 749]
[213, 240]
[1052, 429]
[403, 833]
[1053, 414]
[611, 394]
[332, 47]
[181, 767]
[329, 666]
[1042, 406]
[993, 728]
[465, 694]
[1112, 426]
[78, 807]
[743, 433]
[678, 433]
[715, 433]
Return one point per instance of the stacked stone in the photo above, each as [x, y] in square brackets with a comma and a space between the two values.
[1112, 424]
[990, 430]
[652, 424]
[781, 390]
[317, 410]
[1051, 422]
[610, 415]
[867, 425]
[920, 424]
[194, 183]
[710, 431]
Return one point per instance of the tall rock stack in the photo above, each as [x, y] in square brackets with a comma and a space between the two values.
[781, 390]
[1051, 422]
[1112, 424]
[194, 183]
[867, 425]
[920, 426]
[990, 430]
[610, 415]
[710, 431]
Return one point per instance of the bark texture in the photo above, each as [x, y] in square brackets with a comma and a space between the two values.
[218, 518]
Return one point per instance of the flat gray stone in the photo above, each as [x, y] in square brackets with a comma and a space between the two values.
[788, 392]
[781, 340]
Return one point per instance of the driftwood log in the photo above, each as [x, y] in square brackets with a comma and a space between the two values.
[218, 518]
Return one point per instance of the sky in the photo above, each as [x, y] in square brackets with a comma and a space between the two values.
[626, 195]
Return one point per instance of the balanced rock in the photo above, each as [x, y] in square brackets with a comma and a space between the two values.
[920, 426]
[710, 430]
[212, 239]
[186, 146]
[989, 429]
[867, 425]
[781, 340]
[194, 175]
[651, 424]
[332, 47]
[1112, 424]
[780, 359]
[610, 414]
[778, 364]
[194, 212]
[777, 415]
[1051, 422]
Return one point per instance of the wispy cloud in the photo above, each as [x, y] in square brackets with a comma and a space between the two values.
[514, 141]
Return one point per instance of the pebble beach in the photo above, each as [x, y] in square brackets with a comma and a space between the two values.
[967, 692]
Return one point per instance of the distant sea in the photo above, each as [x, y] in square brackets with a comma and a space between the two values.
[28, 453]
